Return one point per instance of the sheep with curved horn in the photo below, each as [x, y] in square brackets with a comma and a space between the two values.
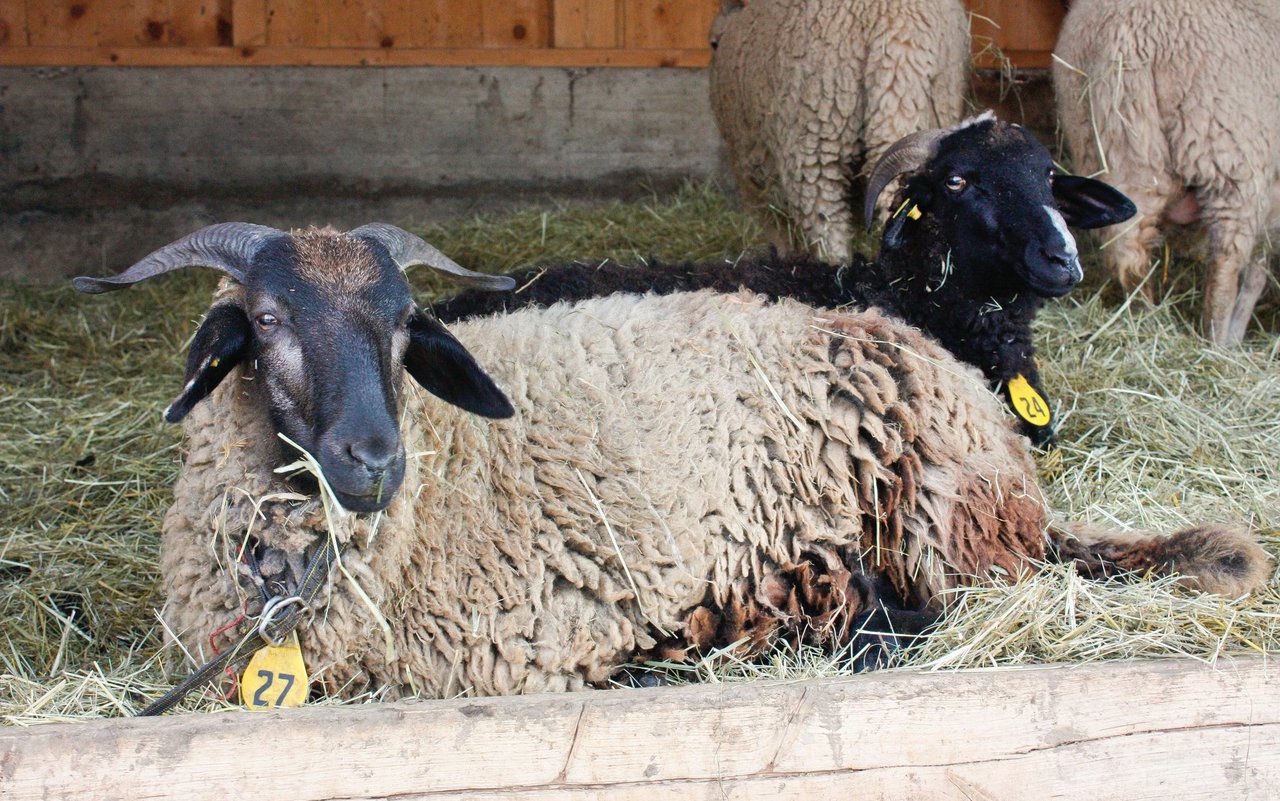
[673, 473]
[977, 241]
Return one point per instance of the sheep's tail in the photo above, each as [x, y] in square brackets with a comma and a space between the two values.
[1212, 558]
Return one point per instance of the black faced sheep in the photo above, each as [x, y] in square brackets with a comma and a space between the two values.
[978, 242]
[806, 91]
[680, 472]
[1178, 104]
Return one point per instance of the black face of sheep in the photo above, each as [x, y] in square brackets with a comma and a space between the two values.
[989, 191]
[325, 320]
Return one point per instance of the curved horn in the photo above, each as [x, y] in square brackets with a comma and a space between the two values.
[229, 247]
[904, 155]
[408, 249]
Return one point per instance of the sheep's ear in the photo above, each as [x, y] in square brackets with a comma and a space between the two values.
[219, 345]
[443, 367]
[1086, 203]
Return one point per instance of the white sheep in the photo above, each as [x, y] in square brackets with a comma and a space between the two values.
[806, 92]
[1177, 105]
[680, 472]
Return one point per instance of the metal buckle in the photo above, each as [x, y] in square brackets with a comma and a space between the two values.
[272, 609]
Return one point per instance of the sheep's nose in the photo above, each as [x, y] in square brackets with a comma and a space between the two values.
[375, 455]
[1056, 262]
[1068, 263]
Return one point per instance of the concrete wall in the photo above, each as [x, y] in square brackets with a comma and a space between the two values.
[98, 165]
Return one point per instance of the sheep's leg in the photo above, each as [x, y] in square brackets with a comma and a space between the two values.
[1252, 283]
[1232, 282]
[1127, 252]
[757, 202]
[817, 189]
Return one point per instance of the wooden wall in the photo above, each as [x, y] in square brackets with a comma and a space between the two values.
[423, 32]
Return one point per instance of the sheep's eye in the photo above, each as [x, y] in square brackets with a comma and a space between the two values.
[1052, 174]
[955, 183]
[266, 321]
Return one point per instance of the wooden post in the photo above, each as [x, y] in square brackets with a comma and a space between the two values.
[1132, 731]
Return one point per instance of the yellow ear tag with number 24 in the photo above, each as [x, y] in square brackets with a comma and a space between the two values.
[275, 676]
[1028, 403]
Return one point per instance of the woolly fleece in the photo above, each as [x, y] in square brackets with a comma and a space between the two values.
[1177, 105]
[681, 471]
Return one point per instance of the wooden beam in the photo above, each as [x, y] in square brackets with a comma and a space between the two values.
[297, 23]
[249, 23]
[202, 23]
[667, 23]
[349, 56]
[585, 23]
[13, 23]
[1021, 32]
[515, 23]
[1133, 731]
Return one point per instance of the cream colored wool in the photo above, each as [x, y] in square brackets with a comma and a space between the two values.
[806, 91]
[1177, 105]
[667, 455]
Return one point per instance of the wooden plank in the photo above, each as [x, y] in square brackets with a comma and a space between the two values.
[357, 23]
[349, 56]
[1133, 731]
[585, 23]
[398, 24]
[61, 23]
[445, 23]
[1041, 21]
[133, 23]
[163, 23]
[515, 23]
[667, 23]
[297, 23]
[201, 23]
[13, 23]
[1022, 32]
[249, 23]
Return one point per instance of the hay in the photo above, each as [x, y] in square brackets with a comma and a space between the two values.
[1157, 431]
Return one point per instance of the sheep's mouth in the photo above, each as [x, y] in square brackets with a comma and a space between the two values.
[371, 502]
[273, 572]
[1056, 281]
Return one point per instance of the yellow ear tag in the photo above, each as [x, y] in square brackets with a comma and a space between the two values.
[1028, 403]
[913, 212]
[275, 677]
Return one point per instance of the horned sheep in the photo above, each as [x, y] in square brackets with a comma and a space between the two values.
[978, 242]
[806, 91]
[662, 474]
[1179, 105]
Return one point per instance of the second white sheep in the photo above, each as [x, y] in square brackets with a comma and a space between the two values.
[805, 92]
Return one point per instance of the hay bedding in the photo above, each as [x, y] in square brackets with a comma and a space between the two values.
[1157, 431]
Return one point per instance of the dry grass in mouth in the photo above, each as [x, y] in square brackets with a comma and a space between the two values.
[1157, 431]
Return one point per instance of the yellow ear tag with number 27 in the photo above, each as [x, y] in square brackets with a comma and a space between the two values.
[275, 676]
[1028, 403]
